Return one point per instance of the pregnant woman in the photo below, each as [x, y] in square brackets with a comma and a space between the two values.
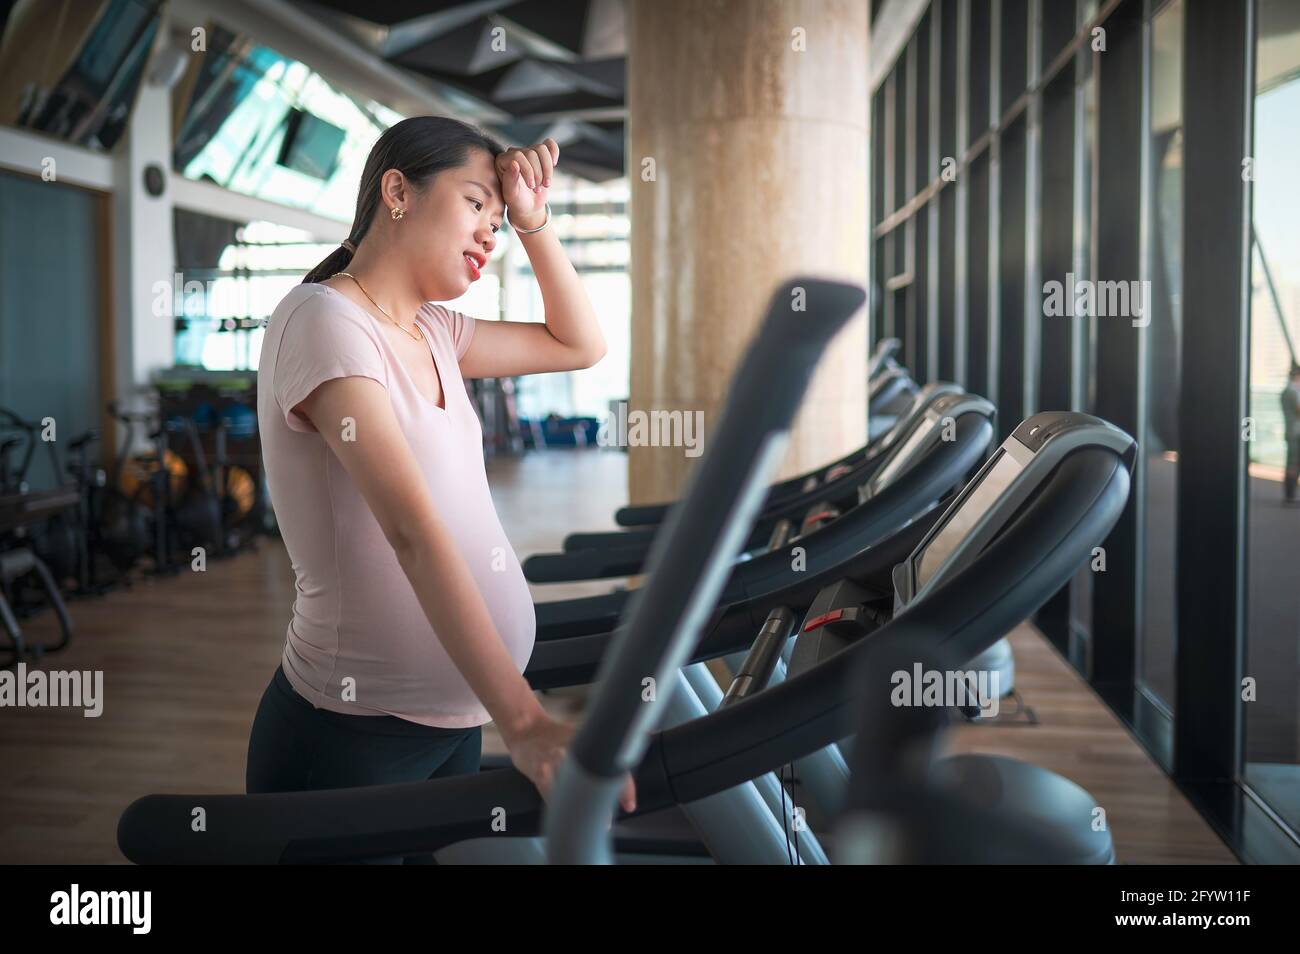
[412, 622]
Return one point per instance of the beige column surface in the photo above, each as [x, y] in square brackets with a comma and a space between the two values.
[747, 161]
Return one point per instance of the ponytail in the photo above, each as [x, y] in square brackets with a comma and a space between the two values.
[335, 262]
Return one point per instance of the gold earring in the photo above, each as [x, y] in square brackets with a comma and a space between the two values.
[397, 213]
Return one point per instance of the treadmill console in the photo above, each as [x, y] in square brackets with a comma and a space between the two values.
[926, 430]
[989, 502]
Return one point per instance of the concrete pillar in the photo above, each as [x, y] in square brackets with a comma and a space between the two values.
[747, 161]
[144, 246]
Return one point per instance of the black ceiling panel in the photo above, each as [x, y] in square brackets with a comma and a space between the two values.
[609, 76]
[563, 22]
[479, 86]
[464, 51]
[564, 103]
[529, 78]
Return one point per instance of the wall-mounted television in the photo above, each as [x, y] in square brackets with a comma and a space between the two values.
[311, 145]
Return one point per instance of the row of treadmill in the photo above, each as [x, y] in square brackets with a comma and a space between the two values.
[918, 553]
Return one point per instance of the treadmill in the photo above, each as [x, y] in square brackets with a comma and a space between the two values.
[882, 520]
[888, 514]
[583, 558]
[1010, 540]
[888, 395]
[907, 805]
[643, 520]
[1031, 530]
[883, 356]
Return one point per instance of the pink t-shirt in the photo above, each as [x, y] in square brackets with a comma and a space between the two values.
[358, 642]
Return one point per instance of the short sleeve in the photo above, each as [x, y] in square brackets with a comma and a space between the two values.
[458, 326]
[321, 342]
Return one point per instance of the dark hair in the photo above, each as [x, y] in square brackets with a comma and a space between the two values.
[419, 148]
[1295, 369]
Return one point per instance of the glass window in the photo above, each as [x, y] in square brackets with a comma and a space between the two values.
[1085, 168]
[1013, 54]
[239, 111]
[591, 220]
[978, 75]
[1273, 521]
[1163, 346]
[240, 272]
[1057, 27]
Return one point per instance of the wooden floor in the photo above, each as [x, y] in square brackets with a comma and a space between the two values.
[185, 661]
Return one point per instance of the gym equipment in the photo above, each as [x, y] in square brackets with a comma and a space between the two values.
[889, 394]
[883, 520]
[780, 525]
[29, 519]
[34, 524]
[13, 479]
[784, 499]
[906, 807]
[136, 476]
[58, 538]
[132, 520]
[234, 485]
[803, 488]
[503, 431]
[8, 445]
[19, 562]
[66, 545]
[859, 534]
[1014, 535]
[193, 518]
[127, 512]
[213, 428]
[240, 494]
[883, 356]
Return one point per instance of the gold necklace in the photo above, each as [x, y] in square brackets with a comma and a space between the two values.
[418, 336]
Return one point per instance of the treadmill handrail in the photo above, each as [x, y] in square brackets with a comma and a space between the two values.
[691, 559]
[966, 614]
[789, 495]
[627, 560]
[928, 480]
[859, 542]
[883, 352]
[782, 492]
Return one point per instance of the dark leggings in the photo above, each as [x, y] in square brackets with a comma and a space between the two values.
[295, 747]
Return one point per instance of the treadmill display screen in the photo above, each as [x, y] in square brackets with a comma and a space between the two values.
[994, 484]
[902, 456]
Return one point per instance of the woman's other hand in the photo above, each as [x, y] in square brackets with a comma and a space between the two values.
[538, 749]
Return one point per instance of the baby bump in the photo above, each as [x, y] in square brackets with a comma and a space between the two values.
[505, 590]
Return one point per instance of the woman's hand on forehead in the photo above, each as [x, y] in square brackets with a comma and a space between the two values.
[525, 175]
